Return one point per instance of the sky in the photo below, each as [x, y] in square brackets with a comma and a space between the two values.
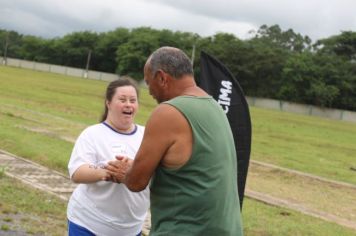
[55, 18]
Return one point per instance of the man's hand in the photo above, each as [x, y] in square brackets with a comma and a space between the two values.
[118, 168]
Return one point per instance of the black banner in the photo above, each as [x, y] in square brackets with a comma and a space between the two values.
[218, 81]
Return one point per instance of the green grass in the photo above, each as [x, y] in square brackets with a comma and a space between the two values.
[42, 108]
[260, 219]
[45, 149]
[30, 211]
[40, 113]
[309, 144]
[38, 108]
[35, 212]
[310, 193]
[75, 99]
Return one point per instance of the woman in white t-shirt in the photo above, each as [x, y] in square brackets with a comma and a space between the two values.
[99, 205]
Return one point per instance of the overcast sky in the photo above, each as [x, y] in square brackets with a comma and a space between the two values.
[50, 18]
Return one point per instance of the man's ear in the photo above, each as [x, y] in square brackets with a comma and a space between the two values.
[162, 77]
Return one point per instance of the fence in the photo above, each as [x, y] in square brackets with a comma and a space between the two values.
[252, 101]
[302, 109]
[64, 70]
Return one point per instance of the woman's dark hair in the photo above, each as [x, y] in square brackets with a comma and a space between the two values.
[111, 89]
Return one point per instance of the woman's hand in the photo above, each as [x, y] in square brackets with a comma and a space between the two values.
[118, 168]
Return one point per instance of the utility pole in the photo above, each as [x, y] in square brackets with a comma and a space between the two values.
[87, 66]
[193, 54]
[4, 60]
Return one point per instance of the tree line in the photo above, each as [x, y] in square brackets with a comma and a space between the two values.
[272, 63]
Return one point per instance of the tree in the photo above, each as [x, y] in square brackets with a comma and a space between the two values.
[12, 41]
[311, 78]
[273, 63]
[76, 47]
[341, 49]
[287, 39]
[132, 55]
[32, 49]
[107, 47]
[229, 50]
[343, 45]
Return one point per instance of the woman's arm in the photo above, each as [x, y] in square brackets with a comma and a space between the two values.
[90, 174]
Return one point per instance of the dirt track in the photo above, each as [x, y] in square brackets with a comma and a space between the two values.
[329, 200]
[58, 184]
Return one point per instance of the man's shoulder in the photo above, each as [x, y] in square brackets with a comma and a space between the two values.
[165, 110]
[164, 117]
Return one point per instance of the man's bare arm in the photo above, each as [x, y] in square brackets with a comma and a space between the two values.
[158, 137]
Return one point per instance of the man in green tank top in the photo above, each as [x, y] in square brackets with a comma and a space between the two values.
[187, 152]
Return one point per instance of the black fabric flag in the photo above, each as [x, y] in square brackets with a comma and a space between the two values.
[218, 81]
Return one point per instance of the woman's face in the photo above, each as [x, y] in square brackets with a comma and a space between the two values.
[123, 105]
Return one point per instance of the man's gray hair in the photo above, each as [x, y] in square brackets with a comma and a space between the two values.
[172, 61]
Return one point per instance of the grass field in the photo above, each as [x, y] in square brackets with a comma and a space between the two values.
[309, 144]
[25, 210]
[41, 114]
[39, 108]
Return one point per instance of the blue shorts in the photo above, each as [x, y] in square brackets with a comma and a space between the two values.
[77, 230]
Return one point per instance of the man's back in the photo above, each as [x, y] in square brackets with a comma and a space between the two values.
[199, 198]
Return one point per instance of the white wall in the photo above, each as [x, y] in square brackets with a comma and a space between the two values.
[252, 101]
[64, 70]
[302, 109]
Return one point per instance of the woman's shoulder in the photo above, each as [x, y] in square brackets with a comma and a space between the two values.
[140, 128]
[93, 129]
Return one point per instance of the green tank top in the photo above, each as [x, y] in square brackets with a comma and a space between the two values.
[199, 198]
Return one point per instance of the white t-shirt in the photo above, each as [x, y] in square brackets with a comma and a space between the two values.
[106, 208]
